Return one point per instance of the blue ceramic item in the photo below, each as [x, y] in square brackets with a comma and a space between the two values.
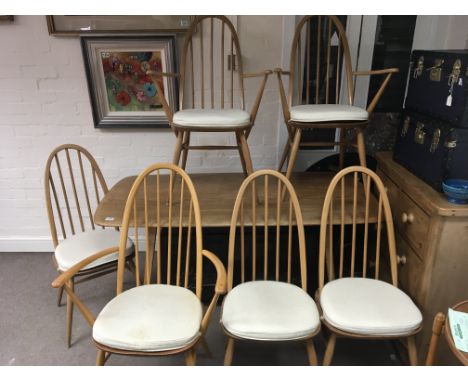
[456, 190]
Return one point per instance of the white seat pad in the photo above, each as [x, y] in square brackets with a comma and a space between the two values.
[150, 318]
[326, 113]
[269, 310]
[212, 117]
[84, 244]
[368, 306]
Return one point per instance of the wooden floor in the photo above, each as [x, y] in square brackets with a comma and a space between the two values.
[217, 193]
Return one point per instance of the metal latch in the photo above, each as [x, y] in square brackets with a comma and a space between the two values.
[419, 133]
[435, 73]
[435, 140]
[406, 124]
[420, 67]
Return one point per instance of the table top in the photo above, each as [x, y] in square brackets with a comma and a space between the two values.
[217, 194]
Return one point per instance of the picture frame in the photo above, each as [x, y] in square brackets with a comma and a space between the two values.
[76, 25]
[121, 94]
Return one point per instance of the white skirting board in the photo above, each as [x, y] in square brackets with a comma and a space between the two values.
[32, 244]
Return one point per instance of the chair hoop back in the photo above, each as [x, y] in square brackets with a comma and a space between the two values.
[74, 186]
[363, 208]
[328, 37]
[201, 79]
[254, 222]
[163, 206]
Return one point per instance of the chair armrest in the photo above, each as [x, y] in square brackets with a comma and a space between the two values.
[281, 71]
[220, 287]
[167, 109]
[257, 74]
[258, 99]
[62, 279]
[284, 102]
[379, 93]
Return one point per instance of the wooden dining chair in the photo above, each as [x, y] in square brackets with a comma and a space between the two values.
[354, 300]
[74, 186]
[319, 54]
[163, 313]
[266, 251]
[211, 90]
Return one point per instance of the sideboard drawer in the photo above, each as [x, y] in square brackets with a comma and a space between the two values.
[410, 220]
[410, 270]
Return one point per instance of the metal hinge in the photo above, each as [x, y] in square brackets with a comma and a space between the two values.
[419, 133]
[435, 140]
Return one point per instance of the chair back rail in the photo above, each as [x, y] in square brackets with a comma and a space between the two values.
[315, 38]
[359, 250]
[205, 81]
[162, 211]
[74, 186]
[266, 239]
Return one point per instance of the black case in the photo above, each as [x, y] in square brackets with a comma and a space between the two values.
[431, 149]
[438, 85]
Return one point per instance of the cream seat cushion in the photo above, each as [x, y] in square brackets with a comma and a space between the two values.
[269, 310]
[150, 318]
[326, 113]
[212, 117]
[368, 306]
[84, 244]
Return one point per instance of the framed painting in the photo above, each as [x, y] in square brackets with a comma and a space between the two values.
[76, 25]
[121, 93]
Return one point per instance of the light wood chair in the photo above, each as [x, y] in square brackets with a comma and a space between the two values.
[161, 315]
[74, 185]
[313, 100]
[266, 247]
[211, 90]
[441, 324]
[353, 300]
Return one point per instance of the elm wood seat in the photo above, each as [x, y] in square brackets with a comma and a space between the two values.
[263, 306]
[211, 98]
[313, 100]
[74, 186]
[354, 302]
[161, 315]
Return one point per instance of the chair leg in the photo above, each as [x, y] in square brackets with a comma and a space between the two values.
[229, 352]
[293, 153]
[71, 285]
[191, 357]
[311, 353]
[244, 168]
[178, 148]
[100, 358]
[59, 296]
[437, 326]
[205, 347]
[284, 156]
[342, 147]
[246, 153]
[412, 352]
[361, 147]
[185, 144]
[327, 358]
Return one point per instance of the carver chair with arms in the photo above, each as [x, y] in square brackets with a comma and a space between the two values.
[266, 301]
[319, 53]
[354, 300]
[211, 91]
[163, 313]
[74, 185]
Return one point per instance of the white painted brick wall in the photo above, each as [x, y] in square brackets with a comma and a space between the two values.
[44, 103]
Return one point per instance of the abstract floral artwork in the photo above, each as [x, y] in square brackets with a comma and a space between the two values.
[121, 91]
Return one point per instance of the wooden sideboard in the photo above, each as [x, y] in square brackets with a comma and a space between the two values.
[432, 247]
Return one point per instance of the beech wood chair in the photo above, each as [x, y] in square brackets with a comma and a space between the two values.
[268, 304]
[74, 185]
[163, 315]
[354, 301]
[313, 100]
[211, 97]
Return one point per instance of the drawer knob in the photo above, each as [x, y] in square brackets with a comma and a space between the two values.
[401, 260]
[407, 218]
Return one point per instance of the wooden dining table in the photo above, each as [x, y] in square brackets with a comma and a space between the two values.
[217, 193]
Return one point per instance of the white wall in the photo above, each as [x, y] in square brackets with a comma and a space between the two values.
[44, 103]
